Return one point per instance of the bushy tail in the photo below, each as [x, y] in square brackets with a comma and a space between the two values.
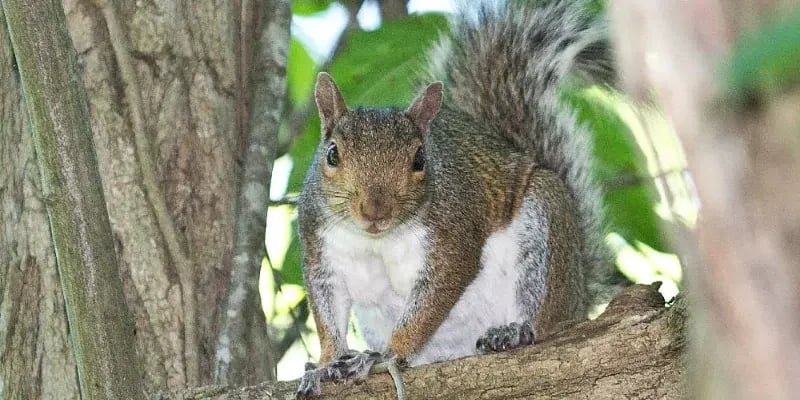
[502, 65]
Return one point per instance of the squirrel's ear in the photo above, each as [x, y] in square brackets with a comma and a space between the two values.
[426, 106]
[330, 103]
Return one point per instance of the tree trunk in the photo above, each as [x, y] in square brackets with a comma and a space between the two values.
[100, 324]
[743, 262]
[35, 349]
[162, 80]
[633, 351]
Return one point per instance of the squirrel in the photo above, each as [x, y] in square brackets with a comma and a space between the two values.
[467, 222]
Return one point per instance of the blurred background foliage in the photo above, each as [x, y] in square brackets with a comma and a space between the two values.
[375, 58]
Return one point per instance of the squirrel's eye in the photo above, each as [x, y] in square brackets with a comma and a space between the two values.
[332, 157]
[419, 159]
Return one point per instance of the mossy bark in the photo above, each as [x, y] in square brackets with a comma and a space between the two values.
[100, 324]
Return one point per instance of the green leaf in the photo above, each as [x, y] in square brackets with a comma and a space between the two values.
[308, 7]
[630, 209]
[292, 273]
[374, 68]
[768, 59]
[380, 67]
[300, 73]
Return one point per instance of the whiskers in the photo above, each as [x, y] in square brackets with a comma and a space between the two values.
[407, 209]
[337, 194]
[338, 207]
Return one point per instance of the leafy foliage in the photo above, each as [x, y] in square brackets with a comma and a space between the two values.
[620, 167]
[300, 73]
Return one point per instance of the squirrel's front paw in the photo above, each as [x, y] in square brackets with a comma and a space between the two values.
[353, 364]
[310, 383]
[506, 337]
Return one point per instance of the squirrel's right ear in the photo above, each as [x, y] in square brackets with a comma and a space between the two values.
[426, 106]
[330, 103]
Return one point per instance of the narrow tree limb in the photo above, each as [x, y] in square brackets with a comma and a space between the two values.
[288, 200]
[100, 323]
[155, 194]
[393, 9]
[633, 350]
[243, 353]
[299, 314]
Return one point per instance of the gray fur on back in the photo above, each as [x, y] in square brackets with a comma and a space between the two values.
[502, 66]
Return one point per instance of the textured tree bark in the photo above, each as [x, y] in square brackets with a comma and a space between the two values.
[34, 341]
[100, 323]
[742, 270]
[632, 351]
[171, 97]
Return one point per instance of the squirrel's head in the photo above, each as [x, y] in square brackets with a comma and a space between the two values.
[372, 160]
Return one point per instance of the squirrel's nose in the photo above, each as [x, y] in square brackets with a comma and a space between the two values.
[374, 210]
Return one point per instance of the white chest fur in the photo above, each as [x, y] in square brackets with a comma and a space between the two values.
[378, 274]
[375, 267]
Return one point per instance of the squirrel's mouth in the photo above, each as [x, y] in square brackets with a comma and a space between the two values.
[374, 229]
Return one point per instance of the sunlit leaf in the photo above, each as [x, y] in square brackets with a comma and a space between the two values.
[621, 168]
[308, 7]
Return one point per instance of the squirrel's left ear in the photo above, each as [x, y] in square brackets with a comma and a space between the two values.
[426, 106]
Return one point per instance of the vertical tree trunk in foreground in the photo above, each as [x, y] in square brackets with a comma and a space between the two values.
[100, 323]
[163, 85]
[743, 276]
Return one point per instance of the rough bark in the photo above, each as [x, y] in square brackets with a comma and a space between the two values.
[243, 353]
[633, 351]
[33, 325]
[181, 63]
[100, 322]
[743, 155]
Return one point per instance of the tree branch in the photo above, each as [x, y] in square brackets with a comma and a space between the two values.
[393, 9]
[243, 352]
[633, 350]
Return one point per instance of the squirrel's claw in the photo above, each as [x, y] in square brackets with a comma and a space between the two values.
[506, 337]
[353, 364]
